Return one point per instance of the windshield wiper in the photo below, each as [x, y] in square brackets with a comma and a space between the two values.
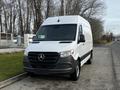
[65, 42]
[35, 41]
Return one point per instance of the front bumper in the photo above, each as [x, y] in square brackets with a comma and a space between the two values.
[62, 66]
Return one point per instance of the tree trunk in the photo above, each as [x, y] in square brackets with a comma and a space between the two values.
[62, 8]
[21, 32]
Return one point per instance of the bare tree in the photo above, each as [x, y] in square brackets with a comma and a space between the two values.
[10, 17]
[25, 16]
[97, 28]
[21, 32]
[38, 14]
[1, 15]
[92, 8]
[28, 17]
[85, 8]
[5, 18]
[62, 7]
[15, 6]
[48, 8]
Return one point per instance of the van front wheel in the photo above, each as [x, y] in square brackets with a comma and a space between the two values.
[75, 75]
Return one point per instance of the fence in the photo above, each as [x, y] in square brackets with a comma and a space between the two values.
[5, 40]
[8, 40]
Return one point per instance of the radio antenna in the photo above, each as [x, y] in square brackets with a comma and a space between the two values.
[58, 19]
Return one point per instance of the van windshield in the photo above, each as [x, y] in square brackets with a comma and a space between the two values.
[66, 32]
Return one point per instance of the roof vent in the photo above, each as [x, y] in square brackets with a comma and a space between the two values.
[58, 20]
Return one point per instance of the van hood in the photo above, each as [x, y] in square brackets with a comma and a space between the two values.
[50, 46]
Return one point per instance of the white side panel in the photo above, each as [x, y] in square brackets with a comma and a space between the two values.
[88, 38]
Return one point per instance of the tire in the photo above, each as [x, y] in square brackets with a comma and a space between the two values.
[30, 74]
[76, 74]
[90, 60]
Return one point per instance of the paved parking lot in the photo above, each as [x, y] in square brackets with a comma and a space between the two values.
[103, 74]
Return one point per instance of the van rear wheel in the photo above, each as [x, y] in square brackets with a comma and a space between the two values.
[75, 75]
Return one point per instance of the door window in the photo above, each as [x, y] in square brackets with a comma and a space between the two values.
[80, 30]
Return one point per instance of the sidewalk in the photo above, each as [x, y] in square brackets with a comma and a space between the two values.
[10, 50]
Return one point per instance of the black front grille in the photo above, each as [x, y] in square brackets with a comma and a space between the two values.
[49, 61]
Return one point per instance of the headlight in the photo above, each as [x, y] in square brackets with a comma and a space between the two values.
[66, 53]
[25, 53]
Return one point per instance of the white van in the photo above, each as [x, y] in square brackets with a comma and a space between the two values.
[61, 46]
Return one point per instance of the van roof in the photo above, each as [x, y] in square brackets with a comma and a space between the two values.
[75, 19]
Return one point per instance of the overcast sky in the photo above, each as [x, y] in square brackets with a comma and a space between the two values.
[112, 18]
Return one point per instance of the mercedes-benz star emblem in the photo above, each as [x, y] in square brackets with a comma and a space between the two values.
[41, 57]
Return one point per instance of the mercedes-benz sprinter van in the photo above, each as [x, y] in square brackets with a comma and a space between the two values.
[61, 46]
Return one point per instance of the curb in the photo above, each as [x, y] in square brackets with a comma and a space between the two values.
[12, 80]
[108, 44]
[115, 79]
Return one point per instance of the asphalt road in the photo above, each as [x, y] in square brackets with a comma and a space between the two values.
[103, 74]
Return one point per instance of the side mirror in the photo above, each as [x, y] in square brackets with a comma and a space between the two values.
[34, 38]
[81, 38]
